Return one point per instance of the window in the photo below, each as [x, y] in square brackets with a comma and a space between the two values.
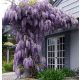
[55, 52]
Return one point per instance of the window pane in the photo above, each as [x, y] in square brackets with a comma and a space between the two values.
[61, 47]
[61, 39]
[61, 54]
[58, 53]
[53, 54]
[49, 54]
[60, 60]
[51, 66]
[48, 48]
[58, 66]
[53, 61]
[57, 47]
[63, 61]
[58, 41]
[49, 60]
[61, 66]
[53, 48]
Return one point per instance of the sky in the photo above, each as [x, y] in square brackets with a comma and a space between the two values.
[3, 6]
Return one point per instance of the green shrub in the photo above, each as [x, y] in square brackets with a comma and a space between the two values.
[3, 70]
[8, 67]
[50, 74]
[68, 72]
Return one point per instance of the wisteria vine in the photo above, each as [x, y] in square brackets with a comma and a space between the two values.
[30, 22]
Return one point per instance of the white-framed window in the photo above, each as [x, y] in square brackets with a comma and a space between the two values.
[55, 52]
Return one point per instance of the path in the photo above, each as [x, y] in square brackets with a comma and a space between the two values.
[12, 76]
[9, 76]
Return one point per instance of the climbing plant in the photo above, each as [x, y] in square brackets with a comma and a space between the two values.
[30, 21]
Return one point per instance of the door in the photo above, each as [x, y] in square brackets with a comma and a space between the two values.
[55, 52]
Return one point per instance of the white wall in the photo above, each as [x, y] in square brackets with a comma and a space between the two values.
[74, 50]
[70, 6]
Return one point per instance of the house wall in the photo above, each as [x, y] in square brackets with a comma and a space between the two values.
[70, 6]
[74, 49]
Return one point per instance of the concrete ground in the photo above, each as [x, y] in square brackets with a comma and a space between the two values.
[12, 76]
[9, 76]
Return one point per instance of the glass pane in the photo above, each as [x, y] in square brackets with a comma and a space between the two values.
[58, 41]
[49, 60]
[57, 47]
[58, 54]
[63, 60]
[61, 47]
[48, 48]
[51, 66]
[49, 54]
[61, 39]
[53, 61]
[53, 54]
[61, 54]
[60, 60]
[61, 66]
[53, 48]
[58, 66]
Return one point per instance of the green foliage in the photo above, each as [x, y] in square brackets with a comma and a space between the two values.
[8, 67]
[50, 74]
[3, 70]
[68, 72]
[4, 38]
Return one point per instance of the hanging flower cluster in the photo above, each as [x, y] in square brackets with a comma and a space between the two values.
[30, 22]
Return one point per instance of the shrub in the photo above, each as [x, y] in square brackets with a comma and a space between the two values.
[8, 67]
[68, 72]
[50, 74]
[3, 70]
